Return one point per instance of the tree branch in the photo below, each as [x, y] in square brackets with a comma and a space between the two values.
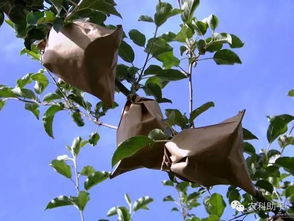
[147, 57]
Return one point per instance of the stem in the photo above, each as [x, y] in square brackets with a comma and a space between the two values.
[147, 57]
[190, 75]
[183, 208]
[77, 182]
[122, 88]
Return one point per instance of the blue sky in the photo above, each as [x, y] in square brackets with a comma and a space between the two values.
[259, 85]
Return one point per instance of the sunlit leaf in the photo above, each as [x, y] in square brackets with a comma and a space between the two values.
[94, 138]
[215, 204]
[142, 203]
[95, 178]
[130, 147]
[48, 118]
[62, 168]
[278, 126]
[34, 108]
[59, 201]
[189, 7]
[87, 171]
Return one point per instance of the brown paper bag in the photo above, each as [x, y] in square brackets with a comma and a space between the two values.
[139, 117]
[210, 155]
[84, 55]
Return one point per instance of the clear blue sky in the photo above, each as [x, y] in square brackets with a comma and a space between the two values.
[260, 85]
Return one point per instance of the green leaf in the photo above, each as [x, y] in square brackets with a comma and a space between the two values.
[25, 80]
[48, 118]
[168, 60]
[212, 22]
[77, 145]
[157, 134]
[94, 138]
[25, 93]
[34, 108]
[137, 37]
[153, 90]
[59, 201]
[33, 17]
[168, 183]
[249, 148]
[215, 205]
[130, 147]
[204, 107]
[82, 200]
[287, 163]
[175, 117]
[87, 171]
[222, 38]
[95, 178]
[211, 218]
[285, 140]
[236, 42]
[226, 56]
[128, 199]
[291, 93]
[169, 36]
[2, 104]
[142, 203]
[289, 191]
[168, 198]
[278, 126]
[157, 46]
[200, 27]
[62, 168]
[6, 92]
[126, 52]
[247, 135]
[77, 117]
[145, 18]
[184, 34]
[112, 211]
[265, 185]
[122, 213]
[57, 4]
[164, 11]
[51, 97]
[41, 82]
[167, 75]
[104, 6]
[189, 7]
[1, 18]
[34, 53]
[233, 194]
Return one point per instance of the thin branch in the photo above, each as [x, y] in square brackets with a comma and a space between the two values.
[190, 75]
[147, 57]
[77, 182]
[203, 59]
[122, 88]
[99, 123]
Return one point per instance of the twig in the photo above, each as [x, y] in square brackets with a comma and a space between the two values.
[190, 75]
[122, 88]
[236, 217]
[147, 57]
[77, 182]
[99, 123]
[203, 59]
